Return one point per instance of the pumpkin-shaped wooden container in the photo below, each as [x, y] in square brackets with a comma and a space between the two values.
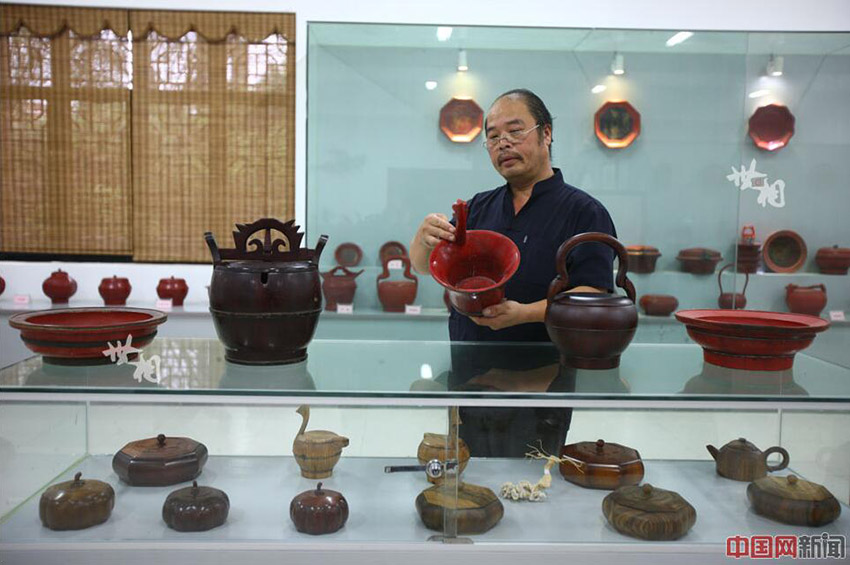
[316, 451]
[77, 504]
[792, 500]
[160, 461]
[646, 512]
[195, 509]
[319, 511]
[601, 465]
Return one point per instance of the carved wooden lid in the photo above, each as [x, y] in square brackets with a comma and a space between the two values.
[647, 498]
[790, 487]
[741, 444]
[642, 250]
[78, 491]
[196, 496]
[161, 448]
[314, 437]
[600, 453]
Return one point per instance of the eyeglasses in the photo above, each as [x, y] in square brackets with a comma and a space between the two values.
[512, 137]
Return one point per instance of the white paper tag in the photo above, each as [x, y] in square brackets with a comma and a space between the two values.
[21, 299]
[395, 265]
[164, 304]
[413, 309]
[345, 308]
[837, 315]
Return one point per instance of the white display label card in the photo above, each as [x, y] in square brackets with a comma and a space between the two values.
[345, 308]
[395, 265]
[164, 304]
[837, 315]
[21, 299]
[413, 309]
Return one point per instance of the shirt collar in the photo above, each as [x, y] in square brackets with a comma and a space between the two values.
[541, 187]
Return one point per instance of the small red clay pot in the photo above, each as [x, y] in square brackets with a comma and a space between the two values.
[339, 288]
[175, 289]
[59, 287]
[833, 260]
[658, 304]
[114, 291]
[395, 295]
[806, 299]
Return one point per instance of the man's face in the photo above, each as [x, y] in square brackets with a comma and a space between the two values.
[521, 161]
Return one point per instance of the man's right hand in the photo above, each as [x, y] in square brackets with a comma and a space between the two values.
[434, 227]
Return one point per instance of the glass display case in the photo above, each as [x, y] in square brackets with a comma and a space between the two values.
[509, 405]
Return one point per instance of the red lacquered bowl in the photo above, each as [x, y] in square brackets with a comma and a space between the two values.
[751, 339]
[79, 336]
[476, 272]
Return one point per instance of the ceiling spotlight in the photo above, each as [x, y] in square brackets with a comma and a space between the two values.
[430, 84]
[599, 88]
[617, 64]
[758, 93]
[444, 33]
[462, 64]
[775, 65]
[680, 37]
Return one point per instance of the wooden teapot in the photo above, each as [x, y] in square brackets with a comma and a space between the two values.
[740, 460]
[316, 451]
[591, 330]
[732, 300]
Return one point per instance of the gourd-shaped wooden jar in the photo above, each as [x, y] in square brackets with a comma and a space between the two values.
[316, 451]
[591, 329]
[265, 295]
[195, 509]
[646, 512]
[601, 465]
[741, 460]
[792, 500]
[444, 446]
[77, 504]
[160, 461]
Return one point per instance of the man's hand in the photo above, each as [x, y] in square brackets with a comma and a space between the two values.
[434, 228]
[508, 313]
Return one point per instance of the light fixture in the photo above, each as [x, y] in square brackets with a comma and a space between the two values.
[678, 38]
[617, 64]
[599, 88]
[462, 63]
[444, 33]
[758, 93]
[775, 65]
[430, 84]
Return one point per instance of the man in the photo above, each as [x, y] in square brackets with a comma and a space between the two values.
[538, 211]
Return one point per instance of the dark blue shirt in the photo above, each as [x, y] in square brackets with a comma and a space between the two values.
[555, 212]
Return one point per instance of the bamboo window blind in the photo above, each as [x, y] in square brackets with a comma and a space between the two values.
[134, 132]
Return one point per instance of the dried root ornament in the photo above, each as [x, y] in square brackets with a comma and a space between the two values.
[524, 490]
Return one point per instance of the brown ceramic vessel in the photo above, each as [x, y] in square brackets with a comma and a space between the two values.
[833, 260]
[646, 512]
[699, 260]
[160, 461]
[792, 500]
[77, 504]
[591, 330]
[195, 509]
[642, 258]
[265, 295]
[740, 460]
[319, 511]
[658, 304]
[601, 465]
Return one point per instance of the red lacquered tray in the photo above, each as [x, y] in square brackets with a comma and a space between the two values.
[751, 339]
[80, 335]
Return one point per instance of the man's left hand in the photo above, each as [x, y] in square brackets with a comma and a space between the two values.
[503, 315]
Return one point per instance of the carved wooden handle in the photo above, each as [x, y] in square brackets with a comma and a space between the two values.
[562, 281]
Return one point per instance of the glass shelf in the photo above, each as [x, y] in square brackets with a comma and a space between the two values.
[439, 372]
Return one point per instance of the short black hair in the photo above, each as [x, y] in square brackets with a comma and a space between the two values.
[535, 106]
